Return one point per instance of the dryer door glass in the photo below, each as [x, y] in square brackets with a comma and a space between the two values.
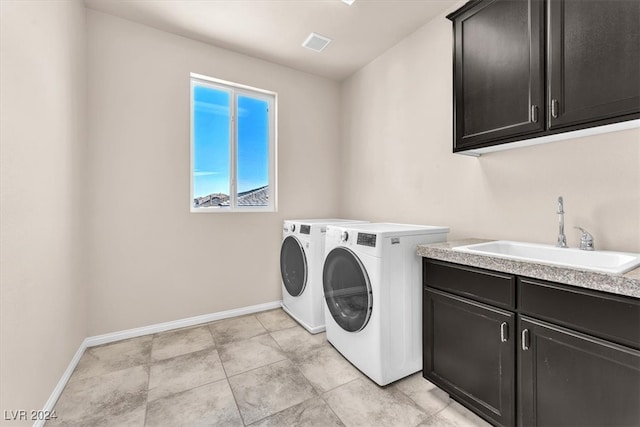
[347, 289]
[293, 266]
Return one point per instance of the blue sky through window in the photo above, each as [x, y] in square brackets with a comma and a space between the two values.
[253, 143]
[212, 141]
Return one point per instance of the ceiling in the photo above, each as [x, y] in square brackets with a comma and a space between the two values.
[275, 29]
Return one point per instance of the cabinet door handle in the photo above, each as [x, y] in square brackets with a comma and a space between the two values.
[554, 108]
[504, 332]
[534, 113]
[525, 339]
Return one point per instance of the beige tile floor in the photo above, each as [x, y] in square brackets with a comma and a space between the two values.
[257, 370]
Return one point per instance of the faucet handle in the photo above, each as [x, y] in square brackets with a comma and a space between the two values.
[586, 240]
[560, 205]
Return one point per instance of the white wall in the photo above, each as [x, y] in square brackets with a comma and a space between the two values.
[42, 146]
[151, 260]
[398, 164]
[104, 225]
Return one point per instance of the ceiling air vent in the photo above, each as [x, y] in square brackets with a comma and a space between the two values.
[316, 42]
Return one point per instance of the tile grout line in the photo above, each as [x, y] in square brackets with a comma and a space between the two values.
[192, 388]
[280, 411]
[146, 406]
[150, 361]
[286, 357]
[320, 394]
[259, 367]
[213, 347]
[226, 377]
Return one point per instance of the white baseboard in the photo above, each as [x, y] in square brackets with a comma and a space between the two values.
[57, 391]
[177, 324]
[145, 330]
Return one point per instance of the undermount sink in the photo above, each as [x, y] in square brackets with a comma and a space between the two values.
[602, 261]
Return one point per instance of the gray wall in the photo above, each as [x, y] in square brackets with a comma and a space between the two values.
[151, 260]
[398, 164]
[43, 315]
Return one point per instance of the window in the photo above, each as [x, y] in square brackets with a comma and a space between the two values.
[233, 147]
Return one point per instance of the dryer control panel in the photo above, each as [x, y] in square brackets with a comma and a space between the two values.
[367, 239]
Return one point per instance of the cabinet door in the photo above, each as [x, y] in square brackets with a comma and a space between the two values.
[593, 60]
[469, 352]
[498, 72]
[568, 378]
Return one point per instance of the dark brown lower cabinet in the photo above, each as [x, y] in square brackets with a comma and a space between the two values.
[471, 353]
[556, 355]
[572, 379]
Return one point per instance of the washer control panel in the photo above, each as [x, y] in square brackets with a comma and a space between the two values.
[305, 229]
[367, 239]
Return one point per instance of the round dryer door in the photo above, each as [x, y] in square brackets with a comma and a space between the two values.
[293, 266]
[347, 289]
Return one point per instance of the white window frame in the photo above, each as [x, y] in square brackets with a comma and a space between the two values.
[234, 90]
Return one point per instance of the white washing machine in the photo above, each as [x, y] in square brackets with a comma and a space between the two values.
[301, 256]
[372, 281]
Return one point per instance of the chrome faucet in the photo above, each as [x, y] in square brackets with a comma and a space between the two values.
[562, 239]
[586, 240]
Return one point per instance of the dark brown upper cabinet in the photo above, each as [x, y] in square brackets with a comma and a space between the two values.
[593, 61]
[498, 71]
[532, 68]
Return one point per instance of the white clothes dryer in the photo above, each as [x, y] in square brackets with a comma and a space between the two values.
[372, 281]
[301, 256]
